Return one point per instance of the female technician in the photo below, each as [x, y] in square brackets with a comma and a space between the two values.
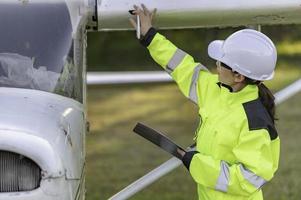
[237, 143]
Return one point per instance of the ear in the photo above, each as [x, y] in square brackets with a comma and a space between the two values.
[238, 78]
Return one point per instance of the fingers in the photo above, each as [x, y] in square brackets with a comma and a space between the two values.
[153, 14]
[136, 7]
[181, 152]
[133, 22]
[145, 15]
[145, 10]
[136, 11]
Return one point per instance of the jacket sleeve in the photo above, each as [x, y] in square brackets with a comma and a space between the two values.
[257, 160]
[181, 66]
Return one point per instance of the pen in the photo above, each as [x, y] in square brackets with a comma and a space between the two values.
[138, 27]
[138, 30]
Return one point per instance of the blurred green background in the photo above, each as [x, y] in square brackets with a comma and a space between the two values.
[117, 157]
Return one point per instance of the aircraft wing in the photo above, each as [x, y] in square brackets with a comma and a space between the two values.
[176, 14]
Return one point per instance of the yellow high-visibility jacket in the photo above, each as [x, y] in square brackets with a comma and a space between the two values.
[237, 143]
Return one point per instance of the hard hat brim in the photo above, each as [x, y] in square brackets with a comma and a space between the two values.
[269, 77]
[215, 50]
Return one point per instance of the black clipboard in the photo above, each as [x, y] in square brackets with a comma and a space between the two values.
[158, 139]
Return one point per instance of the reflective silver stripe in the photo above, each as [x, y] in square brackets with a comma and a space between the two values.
[194, 81]
[224, 178]
[255, 180]
[175, 60]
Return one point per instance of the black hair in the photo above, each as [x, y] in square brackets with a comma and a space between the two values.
[266, 97]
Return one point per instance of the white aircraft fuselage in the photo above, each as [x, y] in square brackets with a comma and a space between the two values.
[42, 99]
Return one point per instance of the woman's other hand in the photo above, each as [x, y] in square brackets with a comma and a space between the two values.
[181, 152]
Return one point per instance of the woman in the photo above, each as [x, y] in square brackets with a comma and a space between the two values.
[237, 143]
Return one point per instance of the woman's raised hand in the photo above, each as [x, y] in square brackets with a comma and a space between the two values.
[146, 18]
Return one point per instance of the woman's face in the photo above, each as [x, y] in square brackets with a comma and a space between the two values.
[225, 75]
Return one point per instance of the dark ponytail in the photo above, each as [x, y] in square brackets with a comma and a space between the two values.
[268, 100]
[266, 97]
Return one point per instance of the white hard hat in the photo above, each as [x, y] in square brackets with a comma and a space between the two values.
[248, 52]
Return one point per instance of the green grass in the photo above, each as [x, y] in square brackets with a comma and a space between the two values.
[286, 184]
[116, 156]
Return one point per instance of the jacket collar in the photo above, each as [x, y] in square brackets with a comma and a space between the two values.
[248, 93]
[226, 86]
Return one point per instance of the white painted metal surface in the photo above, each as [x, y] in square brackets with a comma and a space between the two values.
[50, 130]
[173, 163]
[103, 78]
[26, 144]
[47, 127]
[147, 179]
[113, 15]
